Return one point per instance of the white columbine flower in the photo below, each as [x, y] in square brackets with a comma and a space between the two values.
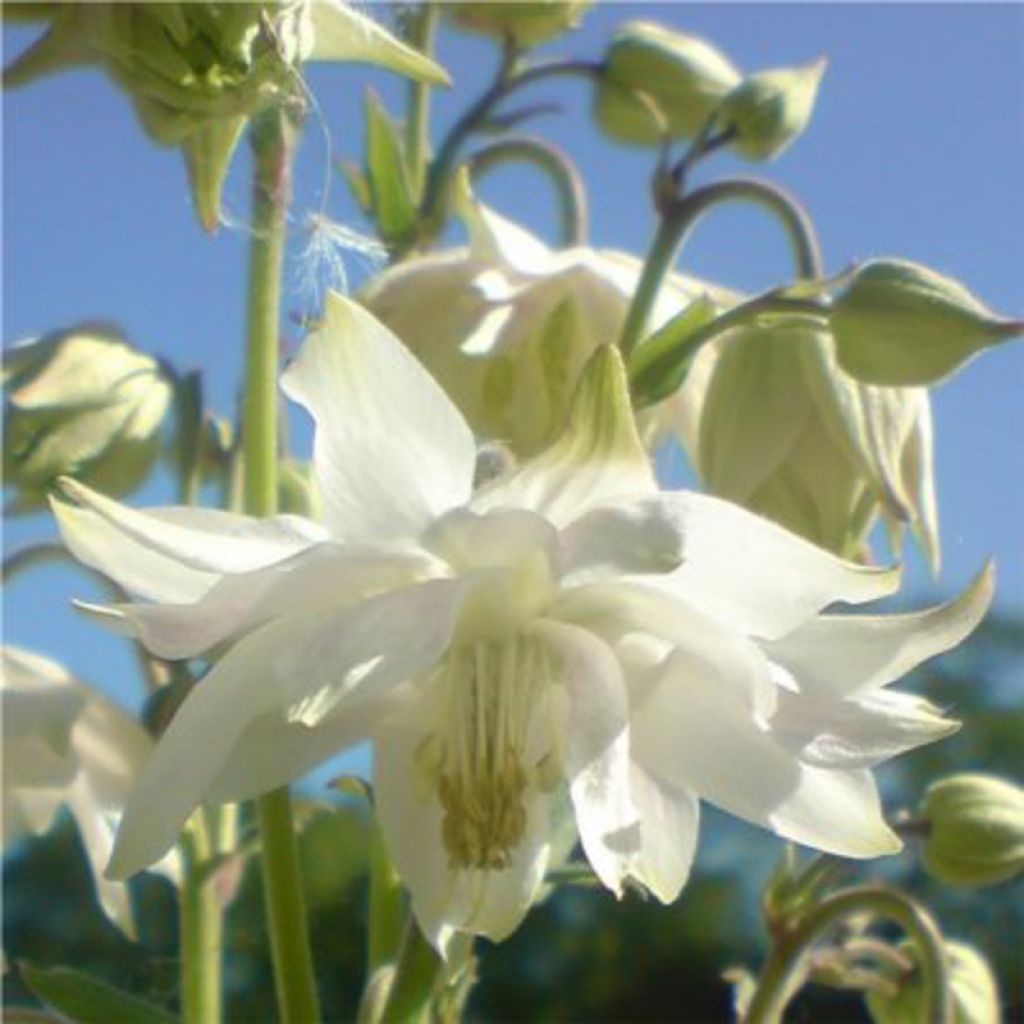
[65, 744]
[567, 640]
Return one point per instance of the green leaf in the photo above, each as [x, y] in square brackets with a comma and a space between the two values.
[391, 193]
[659, 365]
[358, 184]
[86, 1000]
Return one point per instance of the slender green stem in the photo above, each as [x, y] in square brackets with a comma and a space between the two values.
[201, 928]
[272, 142]
[552, 161]
[433, 207]
[416, 974]
[679, 218]
[785, 969]
[422, 26]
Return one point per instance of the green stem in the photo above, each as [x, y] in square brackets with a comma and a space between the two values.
[552, 161]
[416, 973]
[433, 207]
[201, 928]
[678, 219]
[422, 27]
[784, 971]
[272, 144]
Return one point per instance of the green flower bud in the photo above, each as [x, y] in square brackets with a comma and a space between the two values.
[975, 830]
[526, 23]
[84, 403]
[769, 110]
[196, 71]
[973, 989]
[901, 323]
[657, 82]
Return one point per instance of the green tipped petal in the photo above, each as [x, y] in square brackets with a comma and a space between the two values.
[208, 153]
[62, 47]
[342, 33]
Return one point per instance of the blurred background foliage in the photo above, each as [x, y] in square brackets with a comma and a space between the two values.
[580, 955]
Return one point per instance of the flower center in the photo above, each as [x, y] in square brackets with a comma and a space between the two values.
[491, 747]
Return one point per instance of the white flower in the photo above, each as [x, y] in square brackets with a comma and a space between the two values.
[65, 744]
[506, 324]
[567, 630]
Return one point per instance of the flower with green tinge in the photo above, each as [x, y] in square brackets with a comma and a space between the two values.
[568, 644]
[972, 987]
[197, 72]
[85, 402]
[776, 425]
[64, 744]
[656, 83]
[974, 830]
[507, 324]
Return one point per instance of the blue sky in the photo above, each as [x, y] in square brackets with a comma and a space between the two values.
[916, 150]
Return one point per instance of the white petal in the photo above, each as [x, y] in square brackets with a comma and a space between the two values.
[754, 575]
[207, 540]
[137, 568]
[629, 538]
[669, 819]
[111, 747]
[693, 728]
[858, 732]
[192, 752]
[318, 578]
[596, 752]
[365, 651]
[490, 903]
[391, 451]
[597, 459]
[840, 655]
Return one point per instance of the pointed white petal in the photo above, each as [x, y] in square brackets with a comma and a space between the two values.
[669, 819]
[342, 33]
[445, 900]
[597, 459]
[207, 540]
[135, 567]
[840, 655]
[323, 576]
[693, 728]
[596, 751]
[368, 649]
[190, 755]
[755, 576]
[630, 538]
[391, 451]
[858, 732]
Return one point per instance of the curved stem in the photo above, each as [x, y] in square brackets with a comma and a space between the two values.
[273, 143]
[783, 971]
[553, 162]
[416, 973]
[201, 928]
[679, 218]
[435, 192]
[422, 26]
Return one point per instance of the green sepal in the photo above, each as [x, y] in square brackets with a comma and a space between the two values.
[208, 153]
[394, 205]
[659, 365]
[86, 1000]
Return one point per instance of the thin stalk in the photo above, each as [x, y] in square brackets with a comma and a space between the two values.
[785, 969]
[679, 218]
[553, 162]
[272, 143]
[201, 928]
[420, 36]
[416, 974]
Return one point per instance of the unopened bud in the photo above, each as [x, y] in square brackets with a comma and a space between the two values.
[526, 24]
[972, 989]
[82, 403]
[975, 830]
[657, 82]
[769, 110]
[899, 323]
